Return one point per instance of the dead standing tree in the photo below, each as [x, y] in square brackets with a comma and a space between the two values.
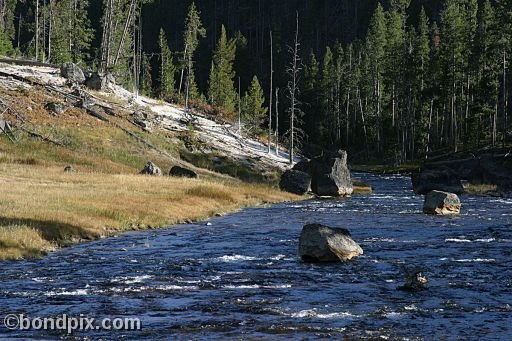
[293, 70]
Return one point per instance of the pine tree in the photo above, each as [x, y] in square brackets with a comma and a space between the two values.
[146, 85]
[486, 60]
[452, 64]
[253, 110]
[167, 68]
[221, 91]
[327, 92]
[376, 53]
[313, 118]
[418, 81]
[7, 8]
[193, 31]
[504, 44]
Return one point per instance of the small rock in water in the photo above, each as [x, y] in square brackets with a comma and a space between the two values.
[208, 224]
[415, 280]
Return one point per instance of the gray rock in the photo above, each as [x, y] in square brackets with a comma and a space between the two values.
[182, 172]
[330, 175]
[142, 119]
[151, 169]
[296, 182]
[441, 203]
[98, 82]
[320, 243]
[55, 109]
[72, 72]
[439, 179]
[303, 166]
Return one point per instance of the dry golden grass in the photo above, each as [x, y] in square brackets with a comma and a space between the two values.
[17, 241]
[479, 189]
[361, 188]
[43, 206]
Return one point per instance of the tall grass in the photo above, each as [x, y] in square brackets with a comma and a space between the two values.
[51, 207]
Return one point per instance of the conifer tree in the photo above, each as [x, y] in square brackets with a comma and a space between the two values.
[193, 31]
[313, 117]
[327, 91]
[221, 91]
[7, 8]
[167, 68]
[71, 33]
[375, 47]
[452, 64]
[146, 85]
[253, 110]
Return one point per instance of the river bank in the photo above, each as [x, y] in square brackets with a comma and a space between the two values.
[44, 208]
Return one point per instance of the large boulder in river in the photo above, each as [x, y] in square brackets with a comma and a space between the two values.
[182, 172]
[330, 175]
[72, 72]
[151, 169]
[438, 179]
[441, 203]
[493, 171]
[320, 243]
[295, 181]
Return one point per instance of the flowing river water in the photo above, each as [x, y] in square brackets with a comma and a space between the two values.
[240, 277]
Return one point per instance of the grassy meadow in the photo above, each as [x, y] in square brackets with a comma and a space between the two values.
[43, 208]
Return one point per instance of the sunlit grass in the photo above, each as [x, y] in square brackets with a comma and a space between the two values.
[17, 241]
[59, 208]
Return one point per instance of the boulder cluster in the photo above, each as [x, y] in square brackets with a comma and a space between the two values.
[92, 80]
[177, 171]
[325, 175]
[486, 169]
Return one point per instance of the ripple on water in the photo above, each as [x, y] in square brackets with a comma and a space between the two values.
[243, 279]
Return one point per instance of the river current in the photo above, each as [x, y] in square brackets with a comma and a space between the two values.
[239, 276]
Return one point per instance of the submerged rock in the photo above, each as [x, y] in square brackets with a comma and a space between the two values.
[151, 169]
[295, 181]
[439, 179]
[441, 203]
[320, 243]
[415, 280]
[182, 172]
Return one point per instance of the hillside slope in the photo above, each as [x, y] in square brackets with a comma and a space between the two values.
[107, 137]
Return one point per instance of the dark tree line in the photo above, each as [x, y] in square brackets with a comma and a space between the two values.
[386, 80]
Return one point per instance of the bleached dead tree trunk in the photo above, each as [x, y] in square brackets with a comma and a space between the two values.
[37, 30]
[293, 88]
[277, 121]
[271, 92]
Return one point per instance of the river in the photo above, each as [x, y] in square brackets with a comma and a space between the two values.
[239, 277]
